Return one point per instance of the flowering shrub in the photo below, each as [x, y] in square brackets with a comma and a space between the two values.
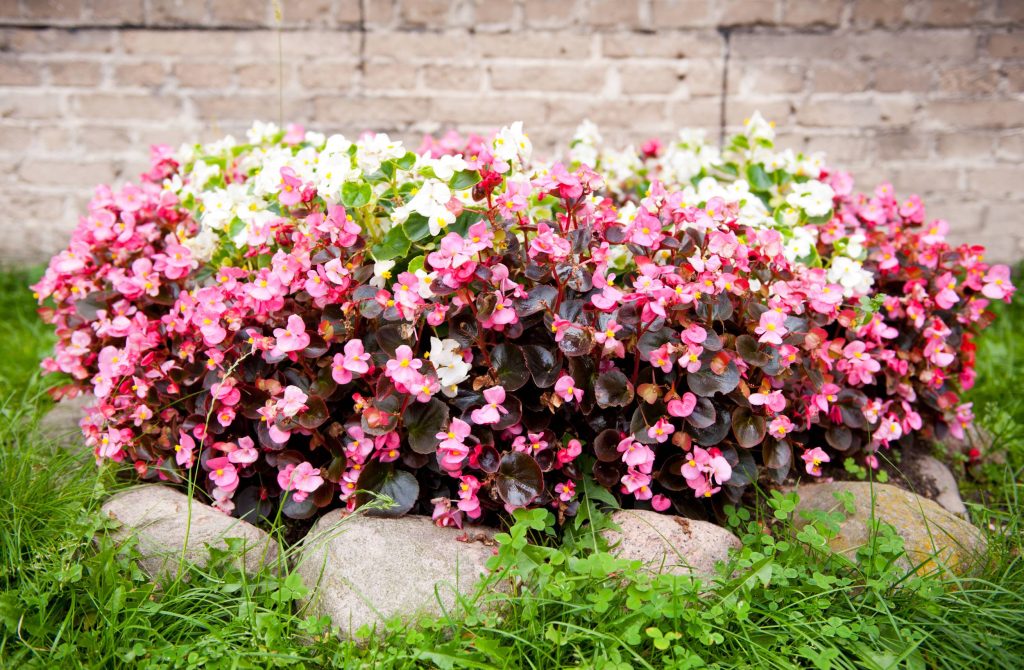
[304, 320]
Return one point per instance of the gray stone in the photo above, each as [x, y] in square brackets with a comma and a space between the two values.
[60, 424]
[363, 570]
[934, 538]
[668, 543]
[944, 489]
[159, 517]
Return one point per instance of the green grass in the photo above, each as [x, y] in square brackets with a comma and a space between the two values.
[69, 597]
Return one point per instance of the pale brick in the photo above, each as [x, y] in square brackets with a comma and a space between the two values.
[806, 46]
[389, 76]
[839, 113]
[1010, 147]
[902, 145]
[490, 13]
[242, 12]
[549, 13]
[619, 112]
[140, 74]
[371, 113]
[879, 13]
[925, 179]
[75, 73]
[897, 79]
[739, 110]
[703, 77]
[844, 150]
[264, 76]
[378, 13]
[619, 14]
[432, 13]
[703, 112]
[971, 80]
[324, 74]
[57, 41]
[654, 78]
[117, 12]
[452, 78]
[681, 13]
[1010, 10]
[548, 78]
[103, 138]
[177, 12]
[746, 12]
[663, 45]
[178, 43]
[491, 111]
[906, 46]
[976, 113]
[19, 73]
[245, 108]
[965, 145]
[60, 11]
[15, 139]
[996, 182]
[951, 12]
[759, 78]
[125, 106]
[65, 172]
[536, 45]
[838, 78]
[319, 13]
[457, 45]
[30, 106]
[812, 12]
[213, 75]
[1006, 45]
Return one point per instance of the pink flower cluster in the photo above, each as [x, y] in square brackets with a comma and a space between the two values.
[537, 338]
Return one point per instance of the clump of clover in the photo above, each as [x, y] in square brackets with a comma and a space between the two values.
[303, 321]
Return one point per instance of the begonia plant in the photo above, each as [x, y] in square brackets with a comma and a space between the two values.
[299, 321]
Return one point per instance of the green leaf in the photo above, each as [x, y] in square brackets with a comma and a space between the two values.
[356, 193]
[394, 245]
[407, 161]
[417, 263]
[463, 180]
[416, 227]
[758, 178]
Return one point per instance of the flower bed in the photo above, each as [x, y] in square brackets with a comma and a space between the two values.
[305, 320]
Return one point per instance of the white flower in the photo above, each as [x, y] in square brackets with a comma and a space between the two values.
[426, 279]
[446, 166]
[800, 245]
[431, 202]
[855, 246]
[337, 144]
[583, 148]
[262, 132]
[451, 369]
[814, 197]
[202, 246]
[851, 275]
[268, 180]
[376, 149]
[202, 172]
[511, 143]
[315, 139]
[381, 273]
[756, 128]
[331, 173]
[218, 209]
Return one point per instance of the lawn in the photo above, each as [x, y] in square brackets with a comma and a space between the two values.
[70, 598]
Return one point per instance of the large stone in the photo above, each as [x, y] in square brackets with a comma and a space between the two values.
[668, 543]
[934, 538]
[166, 521]
[60, 424]
[942, 485]
[363, 570]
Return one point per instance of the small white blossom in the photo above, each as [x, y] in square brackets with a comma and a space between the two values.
[512, 143]
[814, 197]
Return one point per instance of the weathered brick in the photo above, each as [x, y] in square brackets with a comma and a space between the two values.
[19, 73]
[338, 75]
[663, 45]
[57, 41]
[838, 78]
[488, 13]
[30, 106]
[548, 78]
[176, 43]
[212, 75]
[839, 113]
[125, 106]
[976, 113]
[970, 80]
[965, 145]
[996, 181]
[116, 12]
[619, 14]
[895, 79]
[951, 12]
[389, 76]
[242, 12]
[812, 12]
[549, 13]
[452, 77]
[140, 74]
[536, 45]
[176, 12]
[1006, 45]
[872, 13]
[433, 13]
[805, 46]
[456, 45]
[57, 11]
[372, 112]
[75, 73]
[493, 112]
[681, 13]
[245, 108]
[15, 139]
[760, 78]
[67, 172]
[654, 78]
[746, 12]
[902, 145]
[925, 179]
[739, 110]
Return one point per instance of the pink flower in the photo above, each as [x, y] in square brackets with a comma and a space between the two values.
[303, 479]
[997, 283]
[813, 458]
[403, 368]
[660, 503]
[293, 402]
[290, 188]
[567, 455]
[682, 407]
[661, 358]
[292, 338]
[565, 491]
[223, 473]
[245, 453]
[492, 411]
[771, 327]
[531, 443]
[183, 450]
[354, 360]
[889, 430]
[774, 401]
[566, 389]
[636, 455]
[661, 430]
[780, 427]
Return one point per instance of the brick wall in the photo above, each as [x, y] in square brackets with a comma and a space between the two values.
[928, 93]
